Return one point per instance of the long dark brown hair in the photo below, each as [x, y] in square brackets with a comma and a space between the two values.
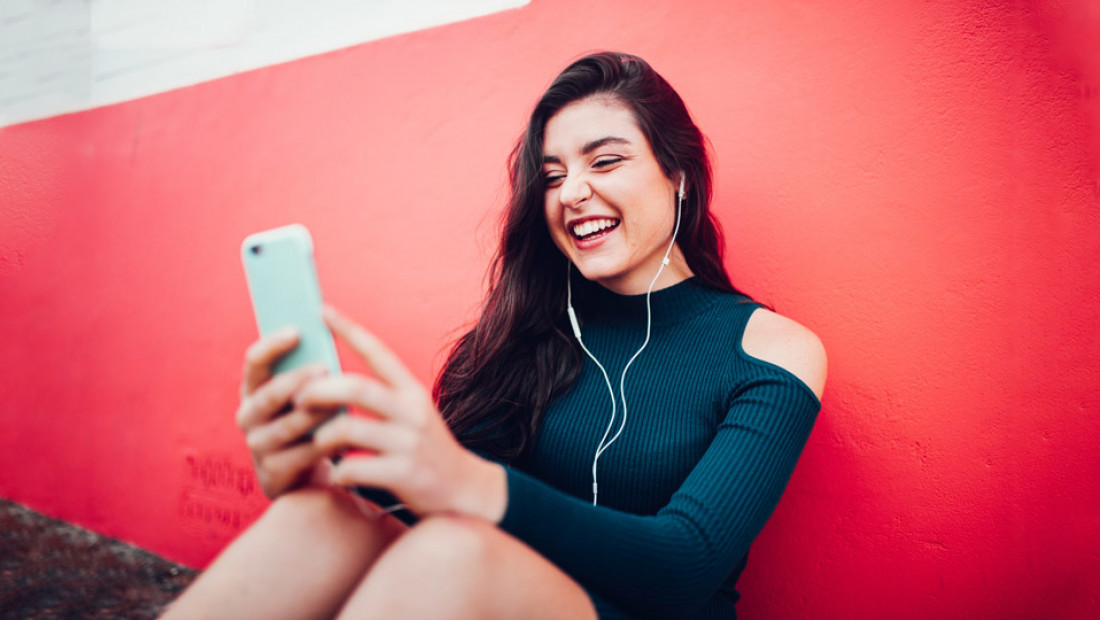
[503, 374]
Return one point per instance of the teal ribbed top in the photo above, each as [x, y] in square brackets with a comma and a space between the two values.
[711, 439]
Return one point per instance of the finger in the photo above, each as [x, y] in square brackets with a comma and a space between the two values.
[349, 432]
[369, 471]
[351, 389]
[285, 430]
[382, 361]
[285, 467]
[262, 354]
[272, 397]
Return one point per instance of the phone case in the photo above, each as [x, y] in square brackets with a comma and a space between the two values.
[282, 282]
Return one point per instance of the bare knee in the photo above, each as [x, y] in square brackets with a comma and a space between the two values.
[453, 554]
[303, 558]
[447, 543]
[326, 518]
[472, 570]
[314, 508]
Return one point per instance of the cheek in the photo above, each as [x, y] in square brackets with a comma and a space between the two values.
[657, 220]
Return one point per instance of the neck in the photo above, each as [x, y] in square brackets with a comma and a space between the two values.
[638, 281]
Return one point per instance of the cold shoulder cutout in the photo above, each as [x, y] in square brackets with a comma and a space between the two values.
[781, 341]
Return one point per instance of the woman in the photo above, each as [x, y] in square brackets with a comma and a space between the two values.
[609, 438]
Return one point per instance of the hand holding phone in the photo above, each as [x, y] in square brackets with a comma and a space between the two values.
[279, 268]
[282, 282]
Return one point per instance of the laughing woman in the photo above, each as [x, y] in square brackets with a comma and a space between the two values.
[607, 440]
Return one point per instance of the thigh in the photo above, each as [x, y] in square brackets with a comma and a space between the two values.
[301, 559]
[454, 567]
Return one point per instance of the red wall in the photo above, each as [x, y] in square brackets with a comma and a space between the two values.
[914, 181]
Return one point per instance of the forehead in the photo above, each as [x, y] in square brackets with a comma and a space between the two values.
[593, 118]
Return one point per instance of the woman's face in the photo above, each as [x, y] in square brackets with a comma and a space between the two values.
[609, 207]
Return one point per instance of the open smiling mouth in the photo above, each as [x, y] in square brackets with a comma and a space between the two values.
[594, 229]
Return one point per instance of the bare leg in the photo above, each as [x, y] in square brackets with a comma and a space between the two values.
[301, 559]
[454, 567]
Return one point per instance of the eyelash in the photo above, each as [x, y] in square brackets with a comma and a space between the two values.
[552, 179]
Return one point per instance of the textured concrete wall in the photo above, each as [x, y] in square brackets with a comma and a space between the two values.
[915, 181]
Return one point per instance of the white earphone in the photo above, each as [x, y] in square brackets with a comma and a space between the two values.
[602, 446]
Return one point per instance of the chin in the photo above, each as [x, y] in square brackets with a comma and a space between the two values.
[598, 273]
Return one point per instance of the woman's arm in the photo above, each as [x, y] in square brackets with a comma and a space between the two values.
[672, 562]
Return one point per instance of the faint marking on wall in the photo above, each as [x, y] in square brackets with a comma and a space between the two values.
[59, 56]
[220, 496]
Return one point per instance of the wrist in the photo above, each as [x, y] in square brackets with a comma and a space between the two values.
[485, 492]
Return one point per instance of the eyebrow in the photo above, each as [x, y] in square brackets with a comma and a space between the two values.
[588, 148]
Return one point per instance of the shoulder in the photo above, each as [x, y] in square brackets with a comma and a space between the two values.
[775, 339]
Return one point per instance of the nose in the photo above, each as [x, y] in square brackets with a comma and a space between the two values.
[574, 191]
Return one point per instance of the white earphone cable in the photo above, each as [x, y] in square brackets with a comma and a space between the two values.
[607, 379]
[601, 447]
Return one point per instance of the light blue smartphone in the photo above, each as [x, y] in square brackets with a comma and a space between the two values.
[282, 282]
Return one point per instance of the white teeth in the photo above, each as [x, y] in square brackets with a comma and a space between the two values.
[591, 226]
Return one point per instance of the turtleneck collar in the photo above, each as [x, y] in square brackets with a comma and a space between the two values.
[670, 305]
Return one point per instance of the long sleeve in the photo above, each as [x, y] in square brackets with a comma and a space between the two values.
[671, 563]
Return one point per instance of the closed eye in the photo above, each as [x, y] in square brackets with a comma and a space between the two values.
[555, 178]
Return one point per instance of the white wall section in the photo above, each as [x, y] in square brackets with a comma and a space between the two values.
[59, 56]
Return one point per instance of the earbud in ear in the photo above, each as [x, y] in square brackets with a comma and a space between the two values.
[683, 179]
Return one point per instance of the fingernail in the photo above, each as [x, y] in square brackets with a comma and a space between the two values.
[331, 313]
